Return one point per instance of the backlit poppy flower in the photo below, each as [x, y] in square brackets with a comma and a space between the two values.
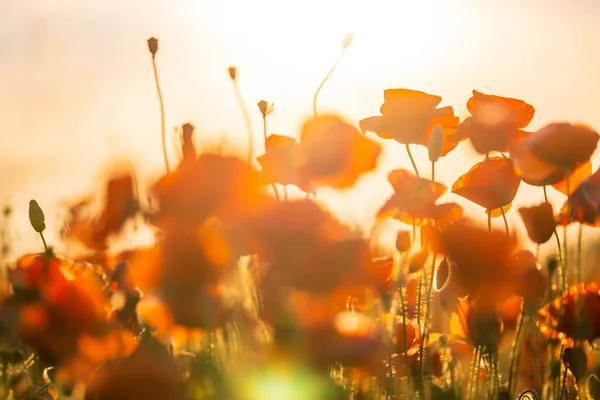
[120, 205]
[335, 152]
[483, 262]
[282, 161]
[491, 183]
[436, 352]
[576, 178]
[583, 204]
[495, 122]
[149, 373]
[573, 318]
[414, 201]
[398, 327]
[481, 326]
[309, 249]
[539, 222]
[214, 185]
[410, 116]
[549, 155]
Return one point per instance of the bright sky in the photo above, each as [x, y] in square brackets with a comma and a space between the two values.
[77, 89]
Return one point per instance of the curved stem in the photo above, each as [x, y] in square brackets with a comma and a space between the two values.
[505, 221]
[325, 81]
[412, 160]
[579, 255]
[246, 115]
[162, 115]
[559, 247]
[46, 249]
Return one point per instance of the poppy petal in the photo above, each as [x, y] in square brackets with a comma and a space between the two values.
[532, 169]
[575, 179]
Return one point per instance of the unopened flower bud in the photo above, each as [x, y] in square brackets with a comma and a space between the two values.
[403, 241]
[436, 143]
[188, 129]
[347, 40]
[232, 73]
[153, 45]
[36, 216]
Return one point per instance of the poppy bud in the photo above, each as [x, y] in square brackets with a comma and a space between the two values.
[593, 387]
[36, 216]
[153, 45]
[436, 143]
[576, 360]
[347, 40]
[232, 73]
[265, 107]
[403, 241]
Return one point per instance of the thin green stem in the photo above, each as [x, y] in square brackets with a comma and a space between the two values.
[559, 247]
[162, 115]
[412, 160]
[474, 366]
[405, 343]
[247, 121]
[325, 81]
[425, 334]
[514, 353]
[579, 254]
[505, 221]
[46, 249]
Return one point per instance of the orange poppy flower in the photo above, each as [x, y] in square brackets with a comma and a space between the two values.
[414, 200]
[539, 222]
[495, 122]
[149, 373]
[336, 154]
[214, 185]
[491, 183]
[583, 204]
[120, 205]
[576, 178]
[282, 161]
[483, 263]
[560, 319]
[399, 325]
[481, 326]
[410, 116]
[550, 154]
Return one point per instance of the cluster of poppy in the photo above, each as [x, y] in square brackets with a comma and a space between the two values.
[325, 296]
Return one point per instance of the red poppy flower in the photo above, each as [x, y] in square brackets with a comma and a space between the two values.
[410, 116]
[414, 200]
[495, 122]
[550, 154]
[539, 222]
[583, 204]
[491, 183]
[573, 318]
[335, 152]
[282, 161]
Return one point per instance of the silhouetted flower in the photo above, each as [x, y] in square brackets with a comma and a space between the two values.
[410, 116]
[583, 204]
[495, 122]
[153, 45]
[491, 183]
[539, 222]
[549, 155]
[335, 152]
[282, 162]
[414, 200]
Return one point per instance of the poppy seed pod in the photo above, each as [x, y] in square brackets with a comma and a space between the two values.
[232, 73]
[347, 40]
[403, 241]
[436, 143]
[36, 216]
[153, 45]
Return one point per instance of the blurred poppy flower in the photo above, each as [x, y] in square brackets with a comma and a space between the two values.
[575, 179]
[398, 327]
[491, 183]
[574, 317]
[481, 326]
[583, 205]
[414, 201]
[539, 222]
[214, 185]
[495, 122]
[282, 161]
[483, 263]
[149, 373]
[436, 353]
[335, 152]
[308, 249]
[550, 154]
[120, 205]
[410, 116]
[34, 274]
